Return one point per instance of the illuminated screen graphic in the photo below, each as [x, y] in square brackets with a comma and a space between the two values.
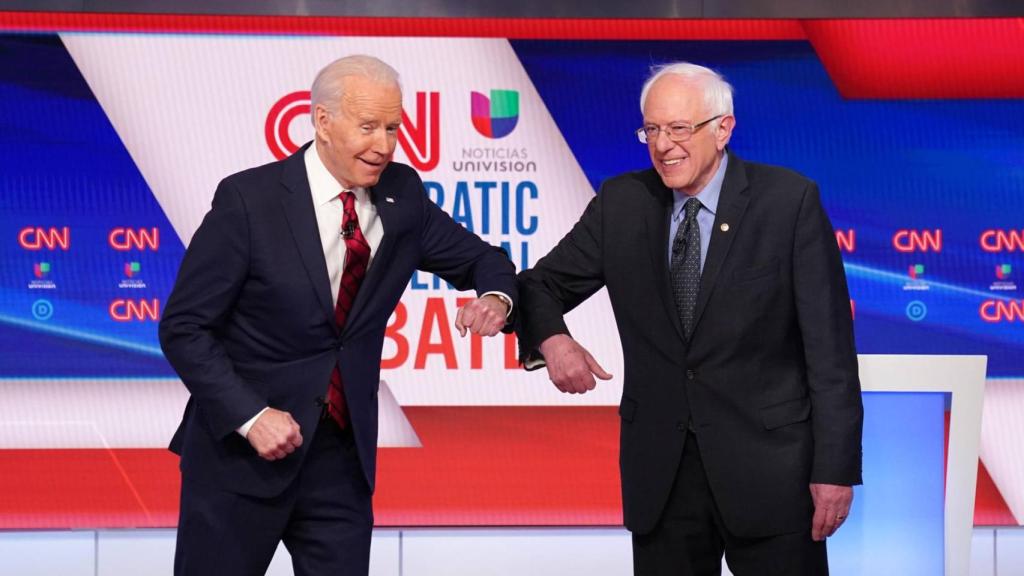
[112, 144]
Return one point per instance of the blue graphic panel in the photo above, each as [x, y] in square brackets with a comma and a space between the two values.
[88, 257]
[896, 525]
[890, 172]
[883, 166]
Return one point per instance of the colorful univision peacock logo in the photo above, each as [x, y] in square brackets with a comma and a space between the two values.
[42, 269]
[497, 116]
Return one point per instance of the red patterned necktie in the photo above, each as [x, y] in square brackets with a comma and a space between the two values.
[357, 256]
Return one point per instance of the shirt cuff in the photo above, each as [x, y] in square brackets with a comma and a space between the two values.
[534, 363]
[244, 428]
[504, 298]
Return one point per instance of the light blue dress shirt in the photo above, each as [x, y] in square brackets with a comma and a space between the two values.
[705, 218]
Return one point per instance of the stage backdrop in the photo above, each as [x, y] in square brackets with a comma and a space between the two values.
[117, 129]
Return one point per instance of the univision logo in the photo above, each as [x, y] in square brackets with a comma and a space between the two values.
[131, 269]
[41, 271]
[497, 116]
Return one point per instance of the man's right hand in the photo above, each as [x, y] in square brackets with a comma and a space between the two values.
[274, 435]
[570, 367]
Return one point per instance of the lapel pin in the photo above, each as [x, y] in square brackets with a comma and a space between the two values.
[724, 227]
[389, 199]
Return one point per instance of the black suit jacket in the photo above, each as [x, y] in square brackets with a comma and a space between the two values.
[769, 377]
[250, 322]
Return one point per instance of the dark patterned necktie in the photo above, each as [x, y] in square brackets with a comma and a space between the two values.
[686, 266]
[357, 257]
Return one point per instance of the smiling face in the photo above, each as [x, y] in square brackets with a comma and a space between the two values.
[358, 139]
[685, 166]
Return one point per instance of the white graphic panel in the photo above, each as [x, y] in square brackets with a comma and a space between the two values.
[193, 109]
[1001, 432]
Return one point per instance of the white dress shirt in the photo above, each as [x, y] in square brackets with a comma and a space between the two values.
[329, 213]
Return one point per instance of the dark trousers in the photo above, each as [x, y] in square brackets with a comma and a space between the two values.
[690, 538]
[324, 517]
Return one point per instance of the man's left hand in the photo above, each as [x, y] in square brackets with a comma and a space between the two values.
[831, 507]
[484, 316]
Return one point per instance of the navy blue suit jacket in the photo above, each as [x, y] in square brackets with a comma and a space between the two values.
[250, 322]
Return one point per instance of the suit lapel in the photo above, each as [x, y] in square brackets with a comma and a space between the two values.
[299, 211]
[732, 204]
[656, 219]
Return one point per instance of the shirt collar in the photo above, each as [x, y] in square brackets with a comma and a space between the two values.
[708, 196]
[322, 184]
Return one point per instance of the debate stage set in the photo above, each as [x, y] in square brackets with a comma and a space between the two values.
[116, 126]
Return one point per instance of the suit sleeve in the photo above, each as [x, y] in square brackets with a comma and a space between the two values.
[462, 258]
[569, 274]
[212, 273]
[826, 325]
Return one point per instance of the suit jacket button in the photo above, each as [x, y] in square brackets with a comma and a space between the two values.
[681, 426]
[690, 374]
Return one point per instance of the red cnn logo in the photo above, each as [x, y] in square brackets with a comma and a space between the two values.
[422, 141]
[123, 310]
[419, 139]
[1002, 240]
[1002, 311]
[34, 238]
[847, 240]
[280, 118]
[124, 239]
[917, 240]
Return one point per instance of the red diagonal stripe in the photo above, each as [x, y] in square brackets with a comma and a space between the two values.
[922, 58]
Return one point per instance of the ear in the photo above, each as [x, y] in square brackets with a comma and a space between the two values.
[321, 120]
[724, 132]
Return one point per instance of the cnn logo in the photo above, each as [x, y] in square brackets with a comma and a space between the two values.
[917, 240]
[123, 310]
[419, 136]
[125, 239]
[993, 311]
[1002, 240]
[36, 238]
[847, 240]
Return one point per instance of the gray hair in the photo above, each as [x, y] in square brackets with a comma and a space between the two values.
[328, 86]
[717, 92]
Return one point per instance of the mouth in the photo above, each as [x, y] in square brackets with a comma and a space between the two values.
[376, 165]
[673, 162]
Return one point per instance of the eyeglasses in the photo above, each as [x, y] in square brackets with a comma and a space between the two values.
[676, 131]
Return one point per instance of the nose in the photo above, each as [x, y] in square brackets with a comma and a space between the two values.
[662, 143]
[383, 143]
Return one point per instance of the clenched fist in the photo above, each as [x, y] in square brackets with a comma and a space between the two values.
[274, 435]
